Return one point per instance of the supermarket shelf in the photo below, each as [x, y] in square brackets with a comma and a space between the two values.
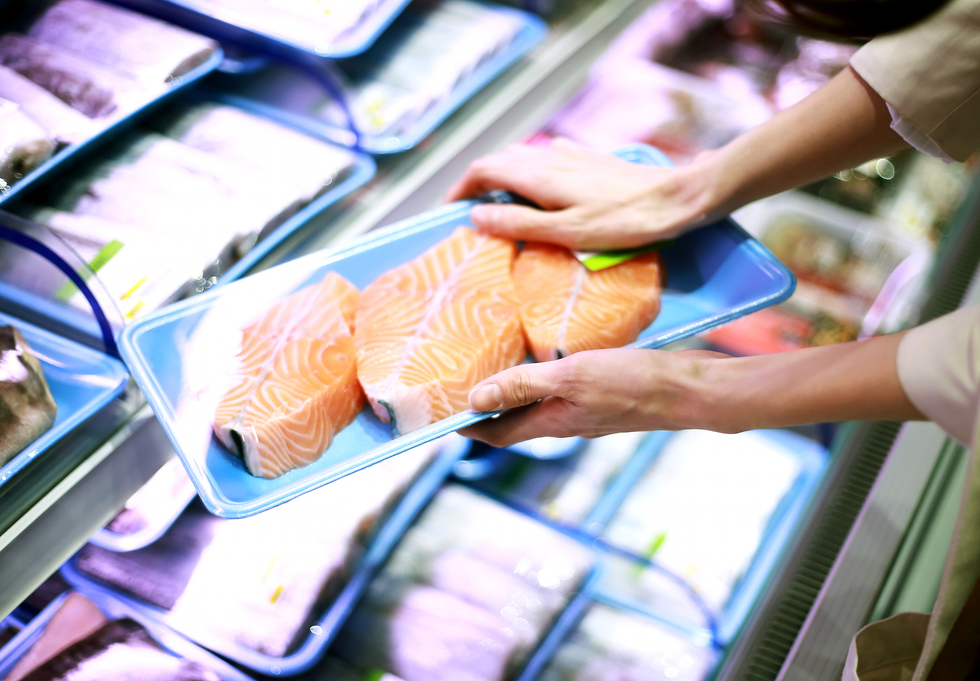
[88, 479]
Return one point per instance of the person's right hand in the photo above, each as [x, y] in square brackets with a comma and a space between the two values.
[589, 200]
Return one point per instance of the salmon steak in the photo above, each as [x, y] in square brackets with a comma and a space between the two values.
[294, 385]
[431, 329]
[566, 308]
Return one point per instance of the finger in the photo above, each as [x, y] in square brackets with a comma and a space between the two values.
[521, 385]
[518, 223]
[503, 170]
[548, 418]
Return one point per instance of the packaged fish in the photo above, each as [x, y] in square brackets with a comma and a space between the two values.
[29, 410]
[258, 583]
[24, 145]
[701, 511]
[169, 488]
[65, 124]
[616, 644]
[471, 578]
[419, 62]
[145, 50]
[332, 668]
[565, 490]
[87, 87]
[241, 137]
[417, 362]
[76, 619]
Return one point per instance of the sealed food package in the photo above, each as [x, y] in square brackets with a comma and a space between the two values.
[468, 593]
[856, 275]
[79, 637]
[419, 61]
[24, 145]
[28, 409]
[610, 643]
[701, 511]
[258, 584]
[564, 490]
[79, 66]
[156, 502]
[162, 208]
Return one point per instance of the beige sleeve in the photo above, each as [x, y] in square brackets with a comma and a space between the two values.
[930, 75]
[939, 369]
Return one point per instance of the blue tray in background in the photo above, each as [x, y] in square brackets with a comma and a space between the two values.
[69, 156]
[312, 649]
[716, 274]
[80, 323]
[533, 32]
[82, 381]
[198, 17]
[813, 459]
[113, 609]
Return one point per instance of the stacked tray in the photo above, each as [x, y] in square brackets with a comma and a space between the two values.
[111, 609]
[716, 274]
[62, 40]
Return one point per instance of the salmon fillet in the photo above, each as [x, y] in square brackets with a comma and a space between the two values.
[565, 308]
[431, 329]
[295, 386]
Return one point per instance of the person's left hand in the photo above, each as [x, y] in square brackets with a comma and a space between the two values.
[596, 393]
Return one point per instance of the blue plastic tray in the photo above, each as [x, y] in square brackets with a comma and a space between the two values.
[388, 535]
[113, 609]
[573, 616]
[81, 322]
[82, 381]
[67, 157]
[533, 32]
[813, 459]
[716, 274]
[196, 17]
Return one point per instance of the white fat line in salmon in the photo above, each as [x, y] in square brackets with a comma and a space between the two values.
[435, 305]
[569, 306]
[280, 342]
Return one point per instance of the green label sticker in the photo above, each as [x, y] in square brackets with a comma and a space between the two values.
[600, 261]
[105, 254]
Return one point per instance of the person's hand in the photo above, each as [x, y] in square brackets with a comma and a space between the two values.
[593, 393]
[589, 200]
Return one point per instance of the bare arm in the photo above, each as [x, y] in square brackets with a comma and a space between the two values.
[596, 202]
[607, 391]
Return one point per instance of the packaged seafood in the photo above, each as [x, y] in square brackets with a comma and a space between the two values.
[257, 584]
[293, 385]
[467, 594]
[566, 308]
[564, 490]
[152, 503]
[145, 50]
[65, 124]
[238, 136]
[455, 324]
[28, 408]
[24, 145]
[611, 643]
[701, 510]
[89, 88]
[333, 668]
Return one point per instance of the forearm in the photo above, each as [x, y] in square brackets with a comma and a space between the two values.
[849, 381]
[841, 125]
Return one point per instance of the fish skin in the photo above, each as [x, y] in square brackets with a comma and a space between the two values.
[457, 302]
[565, 308]
[295, 382]
[27, 409]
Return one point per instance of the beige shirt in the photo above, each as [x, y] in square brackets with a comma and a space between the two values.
[939, 368]
[929, 75]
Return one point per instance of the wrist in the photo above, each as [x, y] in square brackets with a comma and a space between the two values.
[715, 390]
[709, 192]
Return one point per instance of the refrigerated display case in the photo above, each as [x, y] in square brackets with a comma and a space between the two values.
[875, 522]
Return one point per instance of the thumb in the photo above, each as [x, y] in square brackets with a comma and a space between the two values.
[518, 386]
[518, 223]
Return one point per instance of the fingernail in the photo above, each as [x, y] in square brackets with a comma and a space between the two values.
[487, 398]
[485, 215]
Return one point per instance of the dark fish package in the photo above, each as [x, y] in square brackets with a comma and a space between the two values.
[89, 636]
[72, 71]
[27, 409]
